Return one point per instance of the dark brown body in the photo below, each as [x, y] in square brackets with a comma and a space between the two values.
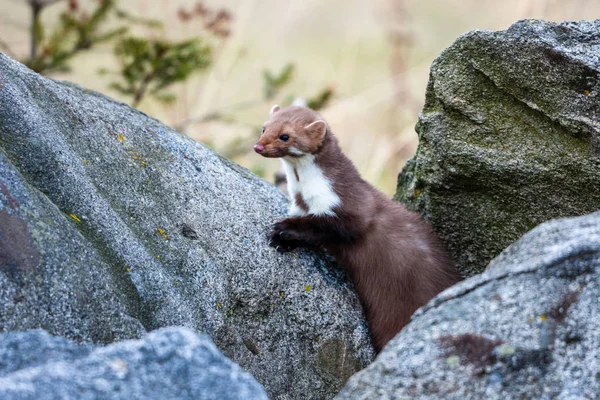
[394, 259]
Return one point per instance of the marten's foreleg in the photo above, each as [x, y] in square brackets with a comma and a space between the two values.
[312, 231]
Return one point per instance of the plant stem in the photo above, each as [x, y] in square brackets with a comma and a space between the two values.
[141, 92]
[36, 7]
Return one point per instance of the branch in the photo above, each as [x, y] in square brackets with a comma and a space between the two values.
[36, 8]
[141, 92]
[35, 20]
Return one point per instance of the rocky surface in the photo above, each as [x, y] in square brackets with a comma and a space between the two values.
[509, 136]
[170, 363]
[112, 225]
[527, 328]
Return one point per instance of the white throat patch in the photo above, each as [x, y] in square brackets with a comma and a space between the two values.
[316, 190]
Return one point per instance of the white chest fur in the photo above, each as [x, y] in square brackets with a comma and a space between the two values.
[304, 177]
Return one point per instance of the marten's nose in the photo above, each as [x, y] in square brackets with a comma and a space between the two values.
[258, 148]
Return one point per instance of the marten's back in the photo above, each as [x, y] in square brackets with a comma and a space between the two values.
[397, 266]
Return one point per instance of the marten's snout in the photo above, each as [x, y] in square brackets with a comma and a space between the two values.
[259, 148]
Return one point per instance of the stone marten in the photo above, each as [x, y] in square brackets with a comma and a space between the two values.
[394, 259]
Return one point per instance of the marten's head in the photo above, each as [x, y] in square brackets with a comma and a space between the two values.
[291, 131]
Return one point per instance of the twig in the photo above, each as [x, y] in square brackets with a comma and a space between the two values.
[36, 8]
[35, 20]
[141, 91]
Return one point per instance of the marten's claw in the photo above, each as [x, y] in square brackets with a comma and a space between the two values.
[274, 243]
[280, 242]
[282, 247]
[279, 229]
[285, 249]
[286, 235]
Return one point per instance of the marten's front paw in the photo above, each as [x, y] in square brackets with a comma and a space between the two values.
[280, 244]
[281, 239]
[284, 247]
[286, 231]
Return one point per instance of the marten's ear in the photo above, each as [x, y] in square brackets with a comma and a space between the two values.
[316, 130]
[274, 109]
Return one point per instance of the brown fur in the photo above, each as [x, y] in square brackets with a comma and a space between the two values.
[301, 203]
[394, 258]
[292, 121]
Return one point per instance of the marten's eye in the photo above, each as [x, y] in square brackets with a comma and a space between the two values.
[284, 137]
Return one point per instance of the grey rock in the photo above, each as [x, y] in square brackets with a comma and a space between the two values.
[509, 136]
[527, 328]
[112, 225]
[169, 363]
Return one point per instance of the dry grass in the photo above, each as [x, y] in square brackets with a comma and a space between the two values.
[345, 43]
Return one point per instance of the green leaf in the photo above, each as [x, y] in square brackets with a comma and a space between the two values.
[149, 66]
[274, 83]
[165, 98]
[38, 31]
[150, 23]
[111, 35]
[71, 35]
[119, 88]
[285, 75]
[321, 99]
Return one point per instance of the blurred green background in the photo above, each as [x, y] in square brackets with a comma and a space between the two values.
[372, 56]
